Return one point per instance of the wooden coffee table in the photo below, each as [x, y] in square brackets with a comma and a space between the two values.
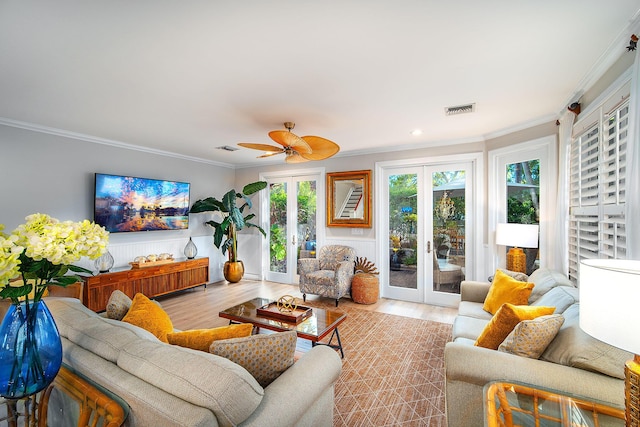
[320, 324]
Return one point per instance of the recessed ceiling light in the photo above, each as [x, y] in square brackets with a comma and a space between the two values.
[416, 132]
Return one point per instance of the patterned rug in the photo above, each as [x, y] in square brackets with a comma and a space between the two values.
[393, 370]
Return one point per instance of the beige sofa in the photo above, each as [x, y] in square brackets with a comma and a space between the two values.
[574, 362]
[166, 385]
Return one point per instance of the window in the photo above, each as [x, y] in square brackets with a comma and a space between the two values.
[597, 188]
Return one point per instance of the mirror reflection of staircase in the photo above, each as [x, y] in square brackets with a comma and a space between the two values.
[351, 203]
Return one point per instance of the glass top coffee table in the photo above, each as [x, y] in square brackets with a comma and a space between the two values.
[317, 326]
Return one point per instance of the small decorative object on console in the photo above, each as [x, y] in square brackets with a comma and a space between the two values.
[151, 260]
[190, 251]
[104, 263]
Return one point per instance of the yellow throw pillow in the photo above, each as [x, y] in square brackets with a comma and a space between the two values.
[201, 339]
[505, 320]
[505, 288]
[148, 315]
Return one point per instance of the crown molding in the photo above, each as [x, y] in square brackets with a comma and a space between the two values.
[104, 141]
[615, 50]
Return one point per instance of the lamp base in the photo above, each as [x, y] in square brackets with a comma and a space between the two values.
[632, 391]
[517, 260]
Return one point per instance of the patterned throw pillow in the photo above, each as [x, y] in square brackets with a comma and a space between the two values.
[505, 320]
[118, 305]
[265, 356]
[506, 289]
[530, 338]
[201, 339]
[148, 315]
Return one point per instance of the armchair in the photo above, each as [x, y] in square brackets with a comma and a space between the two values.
[328, 275]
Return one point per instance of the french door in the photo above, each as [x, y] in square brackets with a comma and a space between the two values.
[424, 217]
[292, 219]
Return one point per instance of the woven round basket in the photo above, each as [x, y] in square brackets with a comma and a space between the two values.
[365, 288]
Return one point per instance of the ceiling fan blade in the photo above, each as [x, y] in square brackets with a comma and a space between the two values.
[321, 148]
[288, 139]
[261, 147]
[294, 157]
[271, 154]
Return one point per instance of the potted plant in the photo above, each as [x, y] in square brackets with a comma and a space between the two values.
[224, 232]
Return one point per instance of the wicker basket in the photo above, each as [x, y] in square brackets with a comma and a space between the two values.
[365, 288]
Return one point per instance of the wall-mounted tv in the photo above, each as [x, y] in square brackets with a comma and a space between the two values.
[128, 203]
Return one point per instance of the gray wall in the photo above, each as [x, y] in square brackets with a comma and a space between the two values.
[53, 174]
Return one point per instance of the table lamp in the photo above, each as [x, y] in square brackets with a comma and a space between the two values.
[609, 296]
[518, 236]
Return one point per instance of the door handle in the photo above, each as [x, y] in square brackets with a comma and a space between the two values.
[293, 240]
[429, 247]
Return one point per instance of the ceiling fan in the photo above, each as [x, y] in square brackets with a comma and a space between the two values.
[297, 149]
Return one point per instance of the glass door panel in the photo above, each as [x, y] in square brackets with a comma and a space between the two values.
[403, 218]
[306, 202]
[292, 225]
[278, 227]
[448, 219]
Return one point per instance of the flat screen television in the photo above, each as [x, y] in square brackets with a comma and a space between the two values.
[128, 203]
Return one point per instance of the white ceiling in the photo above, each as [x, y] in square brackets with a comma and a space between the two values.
[188, 76]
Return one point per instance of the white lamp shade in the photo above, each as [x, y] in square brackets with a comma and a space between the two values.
[520, 235]
[609, 301]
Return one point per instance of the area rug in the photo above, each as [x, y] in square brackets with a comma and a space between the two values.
[393, 370]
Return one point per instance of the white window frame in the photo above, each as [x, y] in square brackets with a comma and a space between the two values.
[545, 149]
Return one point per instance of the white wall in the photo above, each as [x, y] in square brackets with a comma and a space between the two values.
[52, 174]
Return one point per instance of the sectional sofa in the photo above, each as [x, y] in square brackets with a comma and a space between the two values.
[573, 363]
[167, 385]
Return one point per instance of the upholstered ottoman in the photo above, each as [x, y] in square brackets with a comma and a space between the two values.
[365, 288]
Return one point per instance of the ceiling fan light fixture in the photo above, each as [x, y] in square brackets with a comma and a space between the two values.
[297, 149]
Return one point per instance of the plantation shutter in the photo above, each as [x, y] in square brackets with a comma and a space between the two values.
[597, 190]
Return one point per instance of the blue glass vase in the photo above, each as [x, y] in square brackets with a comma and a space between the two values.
[30, 350]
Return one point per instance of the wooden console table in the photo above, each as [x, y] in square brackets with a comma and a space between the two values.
[150, 281]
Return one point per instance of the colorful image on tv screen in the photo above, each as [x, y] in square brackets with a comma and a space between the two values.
[125, 203]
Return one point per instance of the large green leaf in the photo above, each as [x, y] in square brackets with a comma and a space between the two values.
[236, 217]
[252, 225]
[210, 204]
[254, 187]
[229, 201]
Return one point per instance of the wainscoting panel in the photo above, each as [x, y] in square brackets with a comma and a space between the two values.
[364, 247]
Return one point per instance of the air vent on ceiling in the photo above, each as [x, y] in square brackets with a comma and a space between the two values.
[227, 148]
[460, 109]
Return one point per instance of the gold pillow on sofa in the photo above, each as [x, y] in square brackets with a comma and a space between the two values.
[148, 315]
[506, 289]
[201, 339]
[505, 320]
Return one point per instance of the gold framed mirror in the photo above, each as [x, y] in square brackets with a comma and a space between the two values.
[349, 199]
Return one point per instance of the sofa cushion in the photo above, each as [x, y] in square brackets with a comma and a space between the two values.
[574, 347]
[505, 319]
[468, 327]
[145, 314]
[200, 378]
[560, 297]
[473, 309]
[531, 337]
[521, 277]
[265, 356]
[506, 289]
[201, 339]
[118, 305]
[545, 280]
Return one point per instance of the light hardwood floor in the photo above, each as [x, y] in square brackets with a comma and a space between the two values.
[199, 307]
